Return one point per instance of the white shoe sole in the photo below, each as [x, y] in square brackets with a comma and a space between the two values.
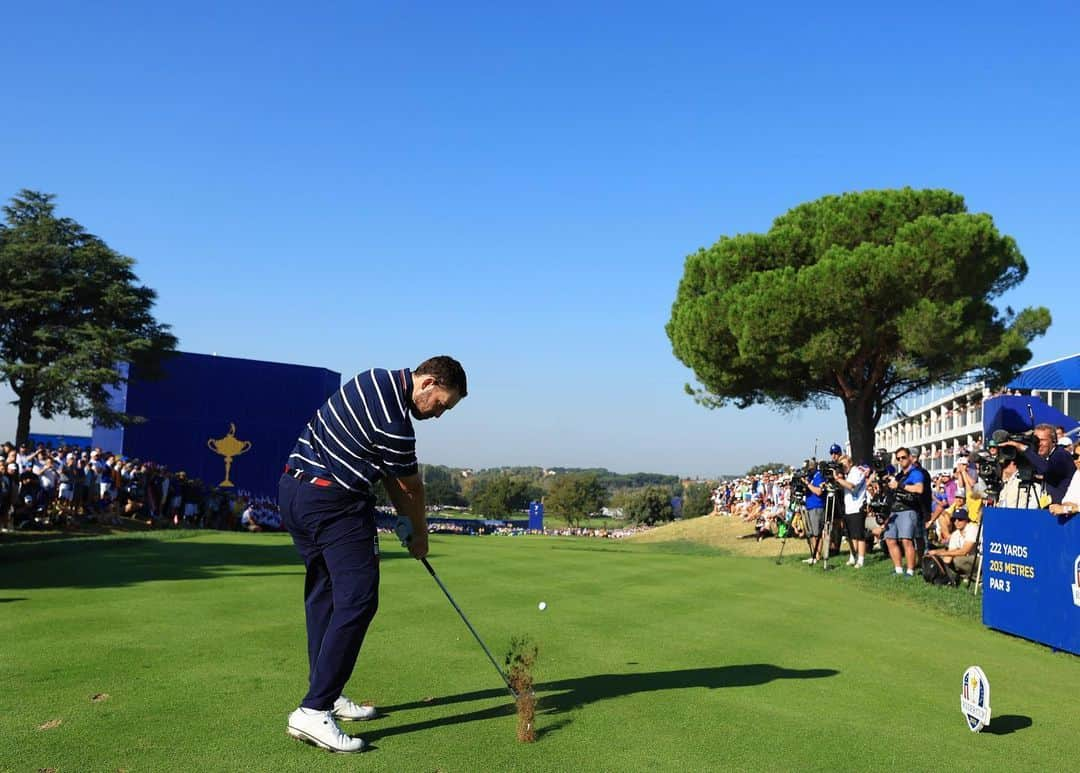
[344, 718]
[303, 737]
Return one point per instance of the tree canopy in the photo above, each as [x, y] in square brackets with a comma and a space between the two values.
[865, 297]
[574, 497]
[502, 495]
[71, 309]
[649, 505]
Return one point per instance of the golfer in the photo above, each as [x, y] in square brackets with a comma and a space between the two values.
[361, 436]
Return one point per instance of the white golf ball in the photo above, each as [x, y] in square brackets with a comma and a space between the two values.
[542, 605]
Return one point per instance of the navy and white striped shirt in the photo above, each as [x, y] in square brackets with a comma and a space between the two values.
[362, 433]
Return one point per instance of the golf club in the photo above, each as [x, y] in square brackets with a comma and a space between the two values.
[403, 529]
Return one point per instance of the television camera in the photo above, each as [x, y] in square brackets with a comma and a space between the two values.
[886, 500]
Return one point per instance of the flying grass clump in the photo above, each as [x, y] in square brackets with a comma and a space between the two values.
[519, 662]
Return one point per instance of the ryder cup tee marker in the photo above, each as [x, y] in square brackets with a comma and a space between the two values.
[975, 699]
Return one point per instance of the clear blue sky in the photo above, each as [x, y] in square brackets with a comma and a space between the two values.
[352, 185]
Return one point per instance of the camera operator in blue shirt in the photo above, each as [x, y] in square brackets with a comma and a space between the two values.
[903, 525]
[815, 510]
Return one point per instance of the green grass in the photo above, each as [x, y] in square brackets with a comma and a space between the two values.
[652, 657]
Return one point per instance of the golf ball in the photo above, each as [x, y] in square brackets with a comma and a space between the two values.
[542, 605]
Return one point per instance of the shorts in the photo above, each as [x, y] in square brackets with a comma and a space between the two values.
[964, 565]
[815, 519]
[902, 525]
[855, 525]
[67, 492]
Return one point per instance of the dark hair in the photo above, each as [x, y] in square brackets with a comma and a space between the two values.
[447, 372]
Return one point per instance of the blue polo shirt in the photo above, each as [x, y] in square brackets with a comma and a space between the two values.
[915, 475]
[362, 433]
[814, 501]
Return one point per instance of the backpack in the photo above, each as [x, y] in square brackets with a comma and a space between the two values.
[937, 572]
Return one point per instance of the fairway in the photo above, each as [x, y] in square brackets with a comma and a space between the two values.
[652, 657]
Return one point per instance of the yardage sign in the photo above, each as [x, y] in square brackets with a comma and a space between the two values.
[1031, 575]
[975, 699]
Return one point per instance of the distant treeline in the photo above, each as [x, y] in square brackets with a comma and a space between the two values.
[507, 490]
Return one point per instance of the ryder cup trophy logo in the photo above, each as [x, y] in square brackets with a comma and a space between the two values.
[975, 699]
[228, 447]
[1076, 582]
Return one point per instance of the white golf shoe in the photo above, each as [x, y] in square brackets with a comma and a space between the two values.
[318, 728]
[346, 709]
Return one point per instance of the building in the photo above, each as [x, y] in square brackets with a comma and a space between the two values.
[944, 421]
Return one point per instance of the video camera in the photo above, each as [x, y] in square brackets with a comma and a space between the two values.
[830, 471]
[888, 500]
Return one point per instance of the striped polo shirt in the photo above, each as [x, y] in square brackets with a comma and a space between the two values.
[362, 433]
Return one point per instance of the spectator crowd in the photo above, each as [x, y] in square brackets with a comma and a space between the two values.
[928, 524]
[43, 487]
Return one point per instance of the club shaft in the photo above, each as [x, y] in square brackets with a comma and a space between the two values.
[472, 630]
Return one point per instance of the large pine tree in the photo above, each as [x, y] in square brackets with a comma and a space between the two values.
[865, 297]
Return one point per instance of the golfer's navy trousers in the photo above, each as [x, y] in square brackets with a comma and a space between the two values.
[335, 533]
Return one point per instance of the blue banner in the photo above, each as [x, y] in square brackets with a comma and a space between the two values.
[1031, 576]
[229, 422]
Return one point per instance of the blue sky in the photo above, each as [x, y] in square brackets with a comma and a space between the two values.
[353, 185]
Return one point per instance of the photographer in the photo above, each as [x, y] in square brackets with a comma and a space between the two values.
[1070, 503]
[903, 525]
[854, 484]
[1016, 491]
[1053, 465]
[815, 510]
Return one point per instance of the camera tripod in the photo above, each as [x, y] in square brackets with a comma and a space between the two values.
[795, 513]
[833, 499]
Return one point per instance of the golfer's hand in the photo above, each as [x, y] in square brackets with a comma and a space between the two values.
[418, 545]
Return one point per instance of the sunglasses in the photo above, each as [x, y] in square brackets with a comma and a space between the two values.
[900, 458]
[1076, 457]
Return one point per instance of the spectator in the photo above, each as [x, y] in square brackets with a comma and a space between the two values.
[1070, 502]
[24, 458]
[49, 478]
[29, 501]
[7, 494]
[854, 484]
[960, 553]
[66, 489]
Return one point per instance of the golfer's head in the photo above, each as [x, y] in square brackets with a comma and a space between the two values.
[438, 385]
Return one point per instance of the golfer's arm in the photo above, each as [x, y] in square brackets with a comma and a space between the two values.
[407, 496]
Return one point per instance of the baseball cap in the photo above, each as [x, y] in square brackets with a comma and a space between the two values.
[961, 515]
[835, 449]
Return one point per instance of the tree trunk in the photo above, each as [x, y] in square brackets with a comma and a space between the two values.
[22, 429]
[860, 424]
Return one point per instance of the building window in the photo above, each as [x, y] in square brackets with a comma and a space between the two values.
[1074, 405]
[1057, 401]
